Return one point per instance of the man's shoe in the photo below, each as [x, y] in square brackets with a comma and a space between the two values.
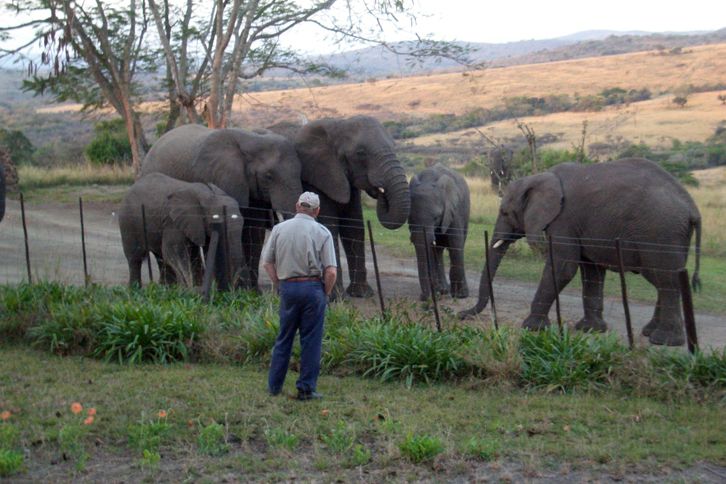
[273, 393]
[304, 396]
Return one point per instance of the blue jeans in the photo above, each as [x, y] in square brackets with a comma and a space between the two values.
[302, 307]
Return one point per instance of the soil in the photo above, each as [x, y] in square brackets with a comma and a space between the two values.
[56, 254]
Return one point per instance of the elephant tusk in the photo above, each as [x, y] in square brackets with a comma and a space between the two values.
[280, 218]
[497, 244]
[382, 190]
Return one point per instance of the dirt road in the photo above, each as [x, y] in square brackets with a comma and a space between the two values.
[56, 254]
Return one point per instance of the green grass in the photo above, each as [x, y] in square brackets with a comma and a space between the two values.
[583, 428]
[521, 264]
[166, 325]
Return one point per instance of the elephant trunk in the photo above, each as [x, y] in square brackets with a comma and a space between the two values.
[238, 270]
[423, 254]
[394, 199]
[497, 249]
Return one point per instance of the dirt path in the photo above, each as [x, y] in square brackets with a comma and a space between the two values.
[56, 254]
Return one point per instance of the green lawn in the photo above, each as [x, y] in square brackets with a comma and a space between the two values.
[358, 430]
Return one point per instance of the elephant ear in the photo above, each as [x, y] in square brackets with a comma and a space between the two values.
[321, 166]
[451, 200]
[543, 199]
[223, 158]
[187, 215]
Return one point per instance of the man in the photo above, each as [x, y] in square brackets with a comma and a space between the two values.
[299, 257]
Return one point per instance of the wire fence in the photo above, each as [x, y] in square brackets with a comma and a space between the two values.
[79, 246]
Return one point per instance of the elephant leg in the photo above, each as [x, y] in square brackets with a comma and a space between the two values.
[593, 282]
[457, 272]
[442, 286]
[135, 271]
[352, 235]
[666, 327]
[544, 297]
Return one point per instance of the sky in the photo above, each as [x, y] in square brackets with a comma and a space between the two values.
[512, 20]
[497, 21]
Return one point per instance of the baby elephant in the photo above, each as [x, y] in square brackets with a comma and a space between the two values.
[179, 217]
[439, 220]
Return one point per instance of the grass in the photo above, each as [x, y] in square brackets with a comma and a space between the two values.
[33, 178]
[170, 325]
[394, 424]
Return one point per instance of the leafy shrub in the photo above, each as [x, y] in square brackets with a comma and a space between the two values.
[110, 145]
[11, 462]
[483, 449]
[706, 370]
[361, 455]
[412, 353]
[68, 328]
[566, 361]
[148, 436]
[421, 448]
[279, 437]
[340, 439]
[212, 440]
[133, 333]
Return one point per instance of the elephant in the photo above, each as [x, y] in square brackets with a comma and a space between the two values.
[179, 217]
[439, 219]
[584, 209]
[341, 157]
[260, 171]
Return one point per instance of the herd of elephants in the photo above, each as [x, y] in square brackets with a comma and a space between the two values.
[194, 177]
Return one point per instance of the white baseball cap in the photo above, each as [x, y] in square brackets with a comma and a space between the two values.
[309, 200]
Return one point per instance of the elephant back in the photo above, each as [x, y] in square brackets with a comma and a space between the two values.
[175, 152]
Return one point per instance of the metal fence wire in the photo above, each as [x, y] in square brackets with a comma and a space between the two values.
[48, 243]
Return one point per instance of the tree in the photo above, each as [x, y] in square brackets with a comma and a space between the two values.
[17, 145]
[91, 55]
[680, 101]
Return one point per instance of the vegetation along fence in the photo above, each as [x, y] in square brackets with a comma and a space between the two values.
[53, 244]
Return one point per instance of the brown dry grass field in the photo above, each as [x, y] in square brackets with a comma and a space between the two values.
[655, 121]
[651, 121]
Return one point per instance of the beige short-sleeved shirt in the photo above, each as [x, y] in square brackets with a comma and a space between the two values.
[300, 247]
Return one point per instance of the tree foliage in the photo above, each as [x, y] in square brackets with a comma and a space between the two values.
[110, 145]
[17, 145]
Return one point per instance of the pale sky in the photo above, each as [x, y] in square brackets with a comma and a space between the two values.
[496, 21]
[512, 20]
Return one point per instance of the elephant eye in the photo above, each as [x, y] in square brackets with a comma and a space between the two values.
[360, 152]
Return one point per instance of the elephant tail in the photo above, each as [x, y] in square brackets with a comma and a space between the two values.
[696, 280]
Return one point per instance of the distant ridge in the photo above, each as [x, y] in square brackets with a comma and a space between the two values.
[378, 61]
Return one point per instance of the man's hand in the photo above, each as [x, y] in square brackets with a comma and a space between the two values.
[272, 272]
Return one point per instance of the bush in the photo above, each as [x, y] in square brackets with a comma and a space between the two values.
[565, 361]
[111, 145]
[11, 462]
[212, 440]
[390, 351]
[157, 333]
[421, 448]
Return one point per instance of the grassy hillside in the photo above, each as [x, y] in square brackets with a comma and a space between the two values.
[458, 93]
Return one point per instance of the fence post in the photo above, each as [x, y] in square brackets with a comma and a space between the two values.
[554, 282]
[210, 262]
[492, 307]
[375, 268]
[427, 247]
[688, 314]
[624, 291]
[25, 236]
[83, 242]
[146, 243]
